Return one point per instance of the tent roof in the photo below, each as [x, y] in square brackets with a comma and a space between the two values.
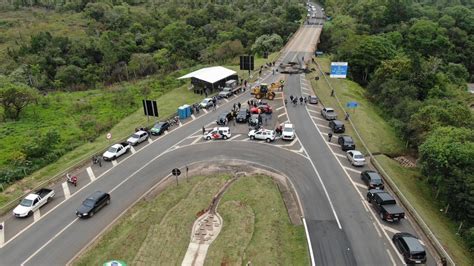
[210, 74]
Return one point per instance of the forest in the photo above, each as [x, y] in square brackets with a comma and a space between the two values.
[415, 59]
[88, 50]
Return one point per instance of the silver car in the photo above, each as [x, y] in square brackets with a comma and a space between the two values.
[356, 158]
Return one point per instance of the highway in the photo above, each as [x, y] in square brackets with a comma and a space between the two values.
[343, 230]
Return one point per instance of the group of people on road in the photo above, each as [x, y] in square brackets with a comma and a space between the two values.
[294, 100]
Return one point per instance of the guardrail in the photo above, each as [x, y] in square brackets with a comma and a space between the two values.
[441, 252]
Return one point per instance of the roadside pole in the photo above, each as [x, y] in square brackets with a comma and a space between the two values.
[2, 234]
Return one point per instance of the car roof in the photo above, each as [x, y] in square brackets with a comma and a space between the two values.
[385, 196]
[160, 123]
[356, 152]
[140, 132]
[313, 96]
[207, 99]
[337, 122]
[412, 242]
[31, 196]
[288, 125]
[329, 109]
[96, 195]
[346, 137]
[116, 145]
[373, 174]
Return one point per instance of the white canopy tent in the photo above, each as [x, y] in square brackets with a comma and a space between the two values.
[210, 74]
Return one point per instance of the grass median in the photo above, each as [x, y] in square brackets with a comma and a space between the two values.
[157, 231]
[382, 140]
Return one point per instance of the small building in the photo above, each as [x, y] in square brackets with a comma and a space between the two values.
[210, 79]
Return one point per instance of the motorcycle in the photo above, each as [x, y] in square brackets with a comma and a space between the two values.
[71, 179]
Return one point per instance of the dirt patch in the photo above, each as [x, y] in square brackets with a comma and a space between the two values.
[406, 161]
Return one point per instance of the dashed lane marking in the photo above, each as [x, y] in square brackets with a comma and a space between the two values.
[114, 162]
[280, 115]
[377, 229]
[150, 140]
[279, 108]
[235, 136]
[391, 258]
[132, 149]
[364, 204]
[91, 174]
[353, 170]
[67, 193]
[36, 215]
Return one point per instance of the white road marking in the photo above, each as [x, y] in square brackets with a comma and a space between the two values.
[309, 242]
[353, 170]
[193, 117]
[91, 174]
[179, 122]
[67, 193]
[340, 155]
[318, 118]
[196, 140]
[36, 215]
[360, 185]
[286, 145]
[390, 229]
[246, 139]
[49, 241]
[2, 234]
[205, 110]
[280, 115]
[114, 162]
[365, 206]
[305, 89]
[319, 125]
[234, 137]
[391, 258]
[377, 229]
[278, 98]
[312, 111]
[301, 150]
[166, 132]
[226, 100]
[279, 108]
[334, 144]
[132, 149]
[150, 140]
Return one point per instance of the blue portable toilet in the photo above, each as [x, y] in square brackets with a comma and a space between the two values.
[187, 109]
[181, 112]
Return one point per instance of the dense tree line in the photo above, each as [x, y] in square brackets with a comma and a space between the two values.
[131, 39]
[415, 58]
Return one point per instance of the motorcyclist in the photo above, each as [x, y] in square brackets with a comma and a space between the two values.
[301, 99]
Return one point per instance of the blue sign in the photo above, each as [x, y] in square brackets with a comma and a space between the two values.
[352, 104]
[339, 69]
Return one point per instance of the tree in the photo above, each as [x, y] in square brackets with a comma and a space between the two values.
[141, 65]
[293, 13]
[428, 38]
[15, 97]
[228, 50]
[267, 43]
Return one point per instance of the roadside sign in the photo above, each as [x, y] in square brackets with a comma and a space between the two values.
[176, 172]
[339, 69]
[109, 135]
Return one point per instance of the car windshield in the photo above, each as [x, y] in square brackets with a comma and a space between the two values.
[288, 129]
[376, 180]
[135, 136]
[358, 156]
[348, 140]
[26, 203]
[88, 203]
[112, 149]
[329, 111]
[158, 126]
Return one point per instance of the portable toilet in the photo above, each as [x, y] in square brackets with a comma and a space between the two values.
[181, 112]
[187, 109]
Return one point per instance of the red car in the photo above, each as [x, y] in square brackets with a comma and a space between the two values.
[264, 108]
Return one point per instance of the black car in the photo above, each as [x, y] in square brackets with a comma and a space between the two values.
[93, 204]
[242, 116]
[337, 126]
[255, 120]
[410, 247]
[159, 128]
[372, 179]
[224, 118]
[346, 143]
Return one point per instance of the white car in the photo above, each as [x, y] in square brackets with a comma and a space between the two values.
[262, 134]
[288, 132]
[356, 158]
[138, 137]
[206, 103]
[217, 133]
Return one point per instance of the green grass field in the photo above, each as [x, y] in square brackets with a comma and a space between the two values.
[380, 137]
[256, 227]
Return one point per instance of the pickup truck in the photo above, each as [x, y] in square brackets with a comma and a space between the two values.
[329, 113]
[385, 205]
[227, 92]
[116, 151]
[33, 202]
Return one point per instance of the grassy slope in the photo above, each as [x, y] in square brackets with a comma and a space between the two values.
[380, 137]
[165, 225]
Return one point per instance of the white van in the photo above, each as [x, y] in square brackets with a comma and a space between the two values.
[217, 133]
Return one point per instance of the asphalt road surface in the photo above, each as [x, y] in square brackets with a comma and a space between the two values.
[342, 228]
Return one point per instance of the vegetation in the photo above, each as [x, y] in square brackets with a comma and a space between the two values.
[62, 60]
[165, 224]
[415, 58]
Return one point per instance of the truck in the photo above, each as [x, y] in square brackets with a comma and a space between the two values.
[228, 91]
[329, 113]
[385, 205]
[116, 151]
[33, 202]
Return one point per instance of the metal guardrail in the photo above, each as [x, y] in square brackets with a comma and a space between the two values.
[418, 219]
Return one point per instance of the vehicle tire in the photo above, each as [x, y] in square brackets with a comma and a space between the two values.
[29, 214]
[224, 137]
[107, 202]
[91, 214]
[208, 138]
[268, 140]
[252, 137]
[381, 216]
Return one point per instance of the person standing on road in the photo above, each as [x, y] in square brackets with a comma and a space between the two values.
[301, 100]
[203, 130]
[332, 93]
[305, 100]
[329, 136]
[238, 105]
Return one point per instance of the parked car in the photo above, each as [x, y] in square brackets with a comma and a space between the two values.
[93, 204]
[225, 93]
[329, 113]
[265, 108]
[255, 120]
[224, 118]
[385, 205]
[116, 151]
[288, 132]
[206, 103]
[138, 137]
[243, 115]
[337, 126]
[346, 142]
[159, 128]
[410, 248]
[313, 99]
[217, 133]
[356, 158]
[262, 134]
[33, 202]
[372, 179]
